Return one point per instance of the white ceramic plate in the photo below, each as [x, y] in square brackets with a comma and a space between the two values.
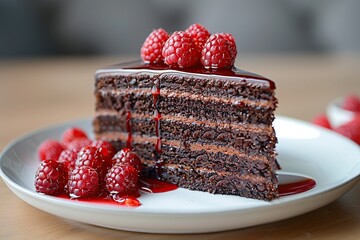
[333, 161]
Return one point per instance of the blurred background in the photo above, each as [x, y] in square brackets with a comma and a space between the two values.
[89, 27]
[50, 50]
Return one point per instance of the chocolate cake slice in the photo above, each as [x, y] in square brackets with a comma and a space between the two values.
[200, 129]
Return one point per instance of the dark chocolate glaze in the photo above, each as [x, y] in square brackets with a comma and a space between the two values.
[233, 72]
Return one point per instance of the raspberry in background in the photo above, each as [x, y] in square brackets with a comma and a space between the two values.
[217, 52]
[71, 134]
[89, 156]
[104, 147]
[122, 179]
[50, 149]
[322, 120]
[92, 157]
[68, 157]
[199, 34]
[51, 177]
[78, 143]
[180, 50]
[126, 157]
[351, 103]
[83, 182]
[151, 50]
[351, 129]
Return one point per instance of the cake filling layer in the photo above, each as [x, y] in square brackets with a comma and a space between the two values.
[121, 116]
[122, 137]
[262, 103]
[213, 161]
[186, 107]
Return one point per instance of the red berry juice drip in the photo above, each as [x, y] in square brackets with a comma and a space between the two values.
[127, 201]
[296, 187]
[157, 117]
[155, 91]
[152, 185]
[129, 130]
[149, 185]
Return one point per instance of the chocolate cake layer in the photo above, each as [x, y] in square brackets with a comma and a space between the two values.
[203, 130]
[196, 85]
[214, 111]
[215, 182]
[217, 161]
[214, 87]
[143, 141]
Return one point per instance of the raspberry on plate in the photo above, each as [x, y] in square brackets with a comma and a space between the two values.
[71, 134]
[122, 179]
[51, 177]
[104, 147]
[83, 182]
[78, 143]
[89, 156]
[92, 157]
[352, 103]
[126, 157]
[151, 50]
[68, 157]
[180, 50]
[218, 52]
[199, 34]
[322, 120]
[50, 149]
[351, 129]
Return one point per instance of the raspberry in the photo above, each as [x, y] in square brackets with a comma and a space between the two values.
[50, 149]
[180, 49]
[199, 34]
[122, 153]
[78, 143]
[51, 177]
[71, 134]
[122, 179]
[232, 42]
[89, 156]
[153, 45]
[68, 157]
[352, 103]
[83, 182]
[351, 129]
[322, 120]
[92, 157]
[104, 147]
[127, 157]
[217, 52]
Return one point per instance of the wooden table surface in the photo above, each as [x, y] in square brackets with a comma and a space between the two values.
[35, 93]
